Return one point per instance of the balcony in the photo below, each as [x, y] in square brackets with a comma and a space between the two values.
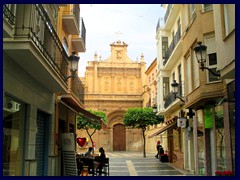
[8, 19]
[36, 47]
[159, 23]
[171, 15]
[172, 46]
[71, 19]
[79, 41]
[78, 89]
[170, 98]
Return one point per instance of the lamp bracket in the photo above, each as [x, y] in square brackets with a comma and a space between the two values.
[211, 71]
[73, 75]
[178, 97]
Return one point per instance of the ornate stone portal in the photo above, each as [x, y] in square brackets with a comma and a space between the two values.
[114, 85]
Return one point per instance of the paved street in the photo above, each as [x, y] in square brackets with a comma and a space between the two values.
[133, 164]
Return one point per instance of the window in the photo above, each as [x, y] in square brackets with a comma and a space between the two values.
[229, 18]
[165, 86]
[164, 46]
[192, 12]
[207, 7]
[211, 58]
[153, 98]
[188, 82]
[173, 76]
[212, 64]
[13, 137]
[65, 45]
[195, 70]
[179, 23]
[180, 81]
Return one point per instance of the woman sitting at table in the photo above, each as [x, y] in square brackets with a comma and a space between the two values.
[100, 159]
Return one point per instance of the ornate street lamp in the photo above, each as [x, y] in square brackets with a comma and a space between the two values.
[175, 90]
[154, 108]
[73, 60]
[201, 55]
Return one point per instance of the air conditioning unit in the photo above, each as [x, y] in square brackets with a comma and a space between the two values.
[12, 106]
[181, 122]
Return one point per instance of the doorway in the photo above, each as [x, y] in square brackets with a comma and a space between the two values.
[42, 143]
[119, 137]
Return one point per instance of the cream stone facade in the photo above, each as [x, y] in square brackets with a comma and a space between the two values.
[112, 86]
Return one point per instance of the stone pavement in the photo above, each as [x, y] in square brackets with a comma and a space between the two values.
[124, 163]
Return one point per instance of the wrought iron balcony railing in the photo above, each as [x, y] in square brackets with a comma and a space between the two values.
[170, 98]
[37, 26]
[167, 12]
[172, 46]
[8, 14]
[83, 31]
[159, 23]
[78, 89]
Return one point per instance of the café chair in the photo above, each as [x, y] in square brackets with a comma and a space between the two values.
[105, 169]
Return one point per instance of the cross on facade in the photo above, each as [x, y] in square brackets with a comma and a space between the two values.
[118, 34]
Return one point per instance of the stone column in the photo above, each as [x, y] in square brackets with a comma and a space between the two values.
[111, 138]
[95, 78]
[99, 83]
[125, 83]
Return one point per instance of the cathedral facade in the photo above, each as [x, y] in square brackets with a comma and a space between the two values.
[112, 86]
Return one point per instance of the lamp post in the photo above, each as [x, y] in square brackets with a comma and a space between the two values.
[201, 55]
[175, 90]
[73, 60]
[154, 108]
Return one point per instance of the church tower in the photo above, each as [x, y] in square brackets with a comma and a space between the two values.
[113, 85]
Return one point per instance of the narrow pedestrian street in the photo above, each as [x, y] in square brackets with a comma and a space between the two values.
[133, 164]
[88, 87]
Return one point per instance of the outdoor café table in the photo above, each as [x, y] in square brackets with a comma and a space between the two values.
[87, 161]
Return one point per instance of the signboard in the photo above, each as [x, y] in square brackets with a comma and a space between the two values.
[181, 122]
[69, 154]
[208, 117]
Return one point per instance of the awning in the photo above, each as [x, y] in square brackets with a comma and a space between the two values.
[172, 125]
[72, 103]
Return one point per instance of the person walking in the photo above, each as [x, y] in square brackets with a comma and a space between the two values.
[158, 146]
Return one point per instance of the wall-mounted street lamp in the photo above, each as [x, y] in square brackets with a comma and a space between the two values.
[73, 60]
[154, 108]
[175, 90]
[201, 55]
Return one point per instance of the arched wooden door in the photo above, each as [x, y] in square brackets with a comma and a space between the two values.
[119, 137]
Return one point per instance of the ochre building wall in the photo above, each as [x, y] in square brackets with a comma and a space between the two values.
[112, 86]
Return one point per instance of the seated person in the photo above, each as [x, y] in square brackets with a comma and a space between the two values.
[100, 159]
[88, 153]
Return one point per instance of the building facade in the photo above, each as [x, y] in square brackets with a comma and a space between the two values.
[203, 98]
[41, 98]
[150, 100]
[112, 86]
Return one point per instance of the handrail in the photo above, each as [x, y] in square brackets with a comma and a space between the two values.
[173, 44]
[8, 14]
[38, 27]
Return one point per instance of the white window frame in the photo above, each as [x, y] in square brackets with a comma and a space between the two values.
[207, 8]
[228, 29]
[65, 45]
[215, 66]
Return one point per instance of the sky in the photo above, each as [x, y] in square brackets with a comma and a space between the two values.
[135, 24]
